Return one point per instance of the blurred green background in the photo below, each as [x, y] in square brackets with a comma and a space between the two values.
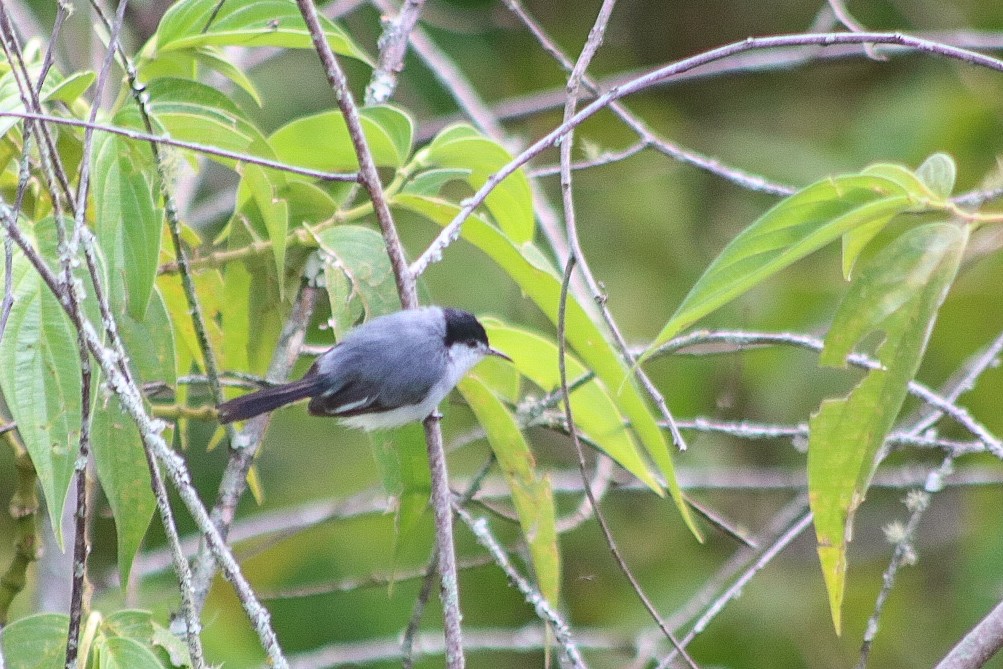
[649, 227]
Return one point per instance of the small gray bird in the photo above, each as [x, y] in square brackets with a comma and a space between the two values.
[387, 372]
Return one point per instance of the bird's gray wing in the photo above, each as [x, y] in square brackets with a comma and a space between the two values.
[377, 375]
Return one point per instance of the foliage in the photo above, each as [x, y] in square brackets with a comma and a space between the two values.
[192, 329]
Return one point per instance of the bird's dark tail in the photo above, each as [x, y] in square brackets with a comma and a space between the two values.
[262, 401]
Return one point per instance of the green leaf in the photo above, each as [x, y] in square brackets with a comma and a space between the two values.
[125, 478]
[596, 414]
[36, 642]
[511, 202]
[118, 448]
[430, 182]
[130, 623]
[194, 112]
[938, 173]
[150, 342]
[124, 653]
[902, 176]
[856, 240]
[792, 229]
[401, 457]
[71, 88]
[899, 293]
[214, 59]
[360, 281]
[531, 493]
[127, 221]
[499, 375]
[274, 210]
[396, 125]
[249, 23]
[41, 383]
[322, 141]
[541, 284]
[211, 292]
[236, 316]
[174, 649]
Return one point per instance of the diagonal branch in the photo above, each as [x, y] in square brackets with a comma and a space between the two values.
[370, 180]
[451, 232]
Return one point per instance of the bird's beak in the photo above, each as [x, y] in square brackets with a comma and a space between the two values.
[496, 352]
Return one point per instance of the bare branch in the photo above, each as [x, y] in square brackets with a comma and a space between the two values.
[393, 48]
[370, 180]
[451, 232]
[206, 149]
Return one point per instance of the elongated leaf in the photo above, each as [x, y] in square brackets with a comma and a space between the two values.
[899, 293]
[360, 281]
[542, 284]
[71, 88]
[194, 112]
[118, 449]
[249, 23]
[125, 478]
[36, 642]
[596, 414]
[510, 203]
[127, 219]
[531, 493]
[41, 383]
[274, 211]
[209, 287]
[799, 225]
[322, 141]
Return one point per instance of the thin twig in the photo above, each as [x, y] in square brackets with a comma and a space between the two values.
[918, 502]
[81, 547]
[647, 136]
[740, 338]
[522, 640]
[405, 279]
[195, 147]
[736, 588]
[600, 518]
[978, 646]
[451, 231]
[532, 595]
[182, 570]
[574, 83]
[432, 568]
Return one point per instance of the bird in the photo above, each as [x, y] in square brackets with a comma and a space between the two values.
[387, 372]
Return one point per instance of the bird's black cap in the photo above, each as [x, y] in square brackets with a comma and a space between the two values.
[462, 326]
